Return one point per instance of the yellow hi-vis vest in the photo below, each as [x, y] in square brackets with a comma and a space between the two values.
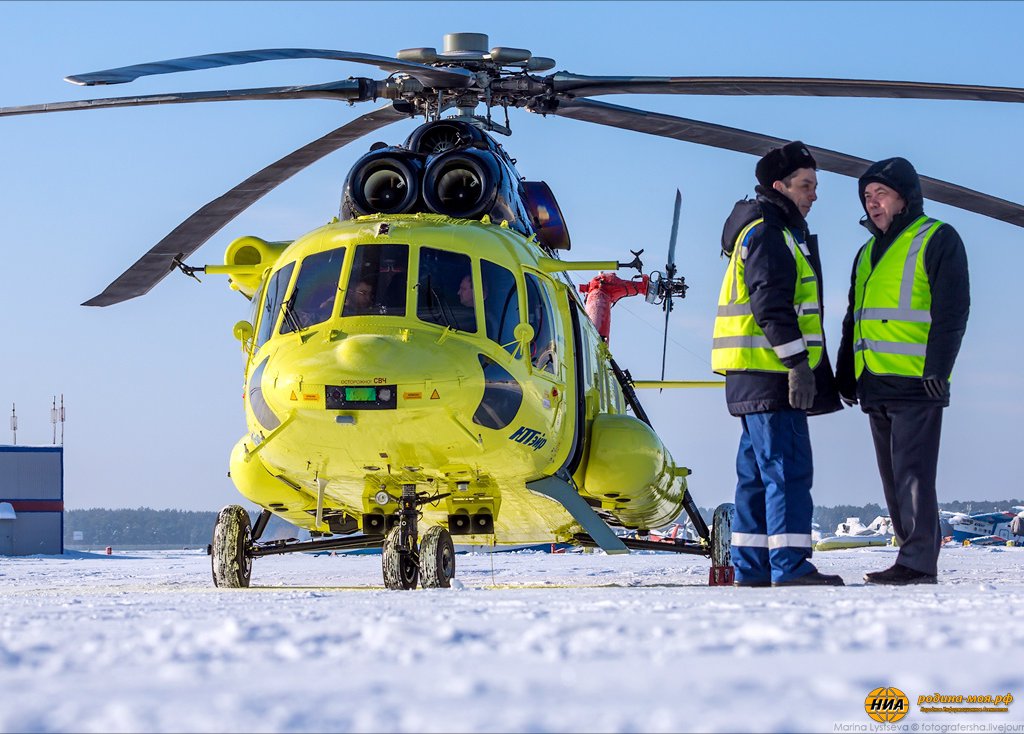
[739, 343]
[892, 304]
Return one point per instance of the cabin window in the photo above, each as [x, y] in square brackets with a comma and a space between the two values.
[446, 290]
[378, 281]
[501, 304]
[315, 290]
[543, 352]
[272, 302]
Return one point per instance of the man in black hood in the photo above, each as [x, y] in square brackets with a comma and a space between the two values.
[770, 345]
[908, 307]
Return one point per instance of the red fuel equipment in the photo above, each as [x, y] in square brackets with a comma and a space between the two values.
[602, 293]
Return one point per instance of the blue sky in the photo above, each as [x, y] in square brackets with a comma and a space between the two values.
[153, 386]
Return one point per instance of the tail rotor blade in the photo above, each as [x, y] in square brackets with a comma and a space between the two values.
[670, 271]
[664, 340]
[670, 265]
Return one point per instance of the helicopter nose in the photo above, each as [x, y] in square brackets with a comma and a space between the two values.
[375, 359]
[377, 355]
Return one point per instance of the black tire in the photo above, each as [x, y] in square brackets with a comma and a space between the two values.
[229, 558]
[437, 559]
[721, 535]
[401, 570]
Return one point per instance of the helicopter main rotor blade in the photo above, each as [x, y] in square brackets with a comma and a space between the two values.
[579, 85]
[349, 90]
[427, 75]
[743, 141]
[191, 234]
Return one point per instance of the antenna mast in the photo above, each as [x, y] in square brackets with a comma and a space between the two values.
[14, 424]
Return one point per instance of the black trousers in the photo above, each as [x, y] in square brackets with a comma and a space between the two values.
[906, 437]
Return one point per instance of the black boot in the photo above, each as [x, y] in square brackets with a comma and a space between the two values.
[814, 578]
[752, 583]
[899, 576]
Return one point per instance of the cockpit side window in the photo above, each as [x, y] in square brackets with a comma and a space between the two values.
[316, 287]
[272, 302]
[543, 350]
[378, 281]
[501, 304]
[254, 304]
[446, 291]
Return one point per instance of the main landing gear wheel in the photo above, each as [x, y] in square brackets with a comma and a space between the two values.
[232, 536]
[437, 559]
[722, 573]
[401, 566]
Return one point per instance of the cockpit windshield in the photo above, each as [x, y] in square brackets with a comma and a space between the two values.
[445, 291]
[316, 287]
[501, 304]
[378, 281]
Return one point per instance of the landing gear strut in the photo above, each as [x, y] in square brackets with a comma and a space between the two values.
[400, 558]
[404, 561]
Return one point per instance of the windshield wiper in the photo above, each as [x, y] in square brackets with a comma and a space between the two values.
[438, 305]
[290, 316]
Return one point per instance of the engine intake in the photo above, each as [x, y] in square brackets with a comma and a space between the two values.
[385, 181]
[461, 184]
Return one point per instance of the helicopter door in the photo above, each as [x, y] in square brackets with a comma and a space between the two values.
[547, 376]
[581, 369]
[544, 349]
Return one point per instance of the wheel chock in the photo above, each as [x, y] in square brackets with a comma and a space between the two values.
[721, 576]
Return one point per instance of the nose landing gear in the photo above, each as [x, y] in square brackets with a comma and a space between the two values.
[405, 561]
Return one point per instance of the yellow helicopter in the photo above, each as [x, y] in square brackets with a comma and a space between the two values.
[423, 366]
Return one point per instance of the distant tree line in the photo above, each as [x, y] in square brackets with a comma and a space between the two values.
[827, 518]
[185, 528]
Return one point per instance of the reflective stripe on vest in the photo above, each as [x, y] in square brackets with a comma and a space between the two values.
[892, 304]
[739, 343]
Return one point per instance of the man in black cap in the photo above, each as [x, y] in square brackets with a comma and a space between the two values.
[909, 303]
[769, 344]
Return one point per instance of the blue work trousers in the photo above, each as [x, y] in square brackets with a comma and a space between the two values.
[771, 531]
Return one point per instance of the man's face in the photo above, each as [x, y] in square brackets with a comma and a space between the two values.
[882, 204]
[466, 292]
[361, 296]
[802, 189]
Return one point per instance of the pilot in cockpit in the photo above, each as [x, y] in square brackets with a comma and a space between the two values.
[359, 299]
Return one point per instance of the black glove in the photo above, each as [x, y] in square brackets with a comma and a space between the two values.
[847, 385]
[936, 387]
[801, 386]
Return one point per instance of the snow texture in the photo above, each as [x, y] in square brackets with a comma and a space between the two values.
[522, 642]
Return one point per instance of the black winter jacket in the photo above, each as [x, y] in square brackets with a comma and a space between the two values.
[770, 277]
[945, 262]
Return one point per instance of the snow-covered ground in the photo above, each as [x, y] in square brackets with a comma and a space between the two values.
[140, 642]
